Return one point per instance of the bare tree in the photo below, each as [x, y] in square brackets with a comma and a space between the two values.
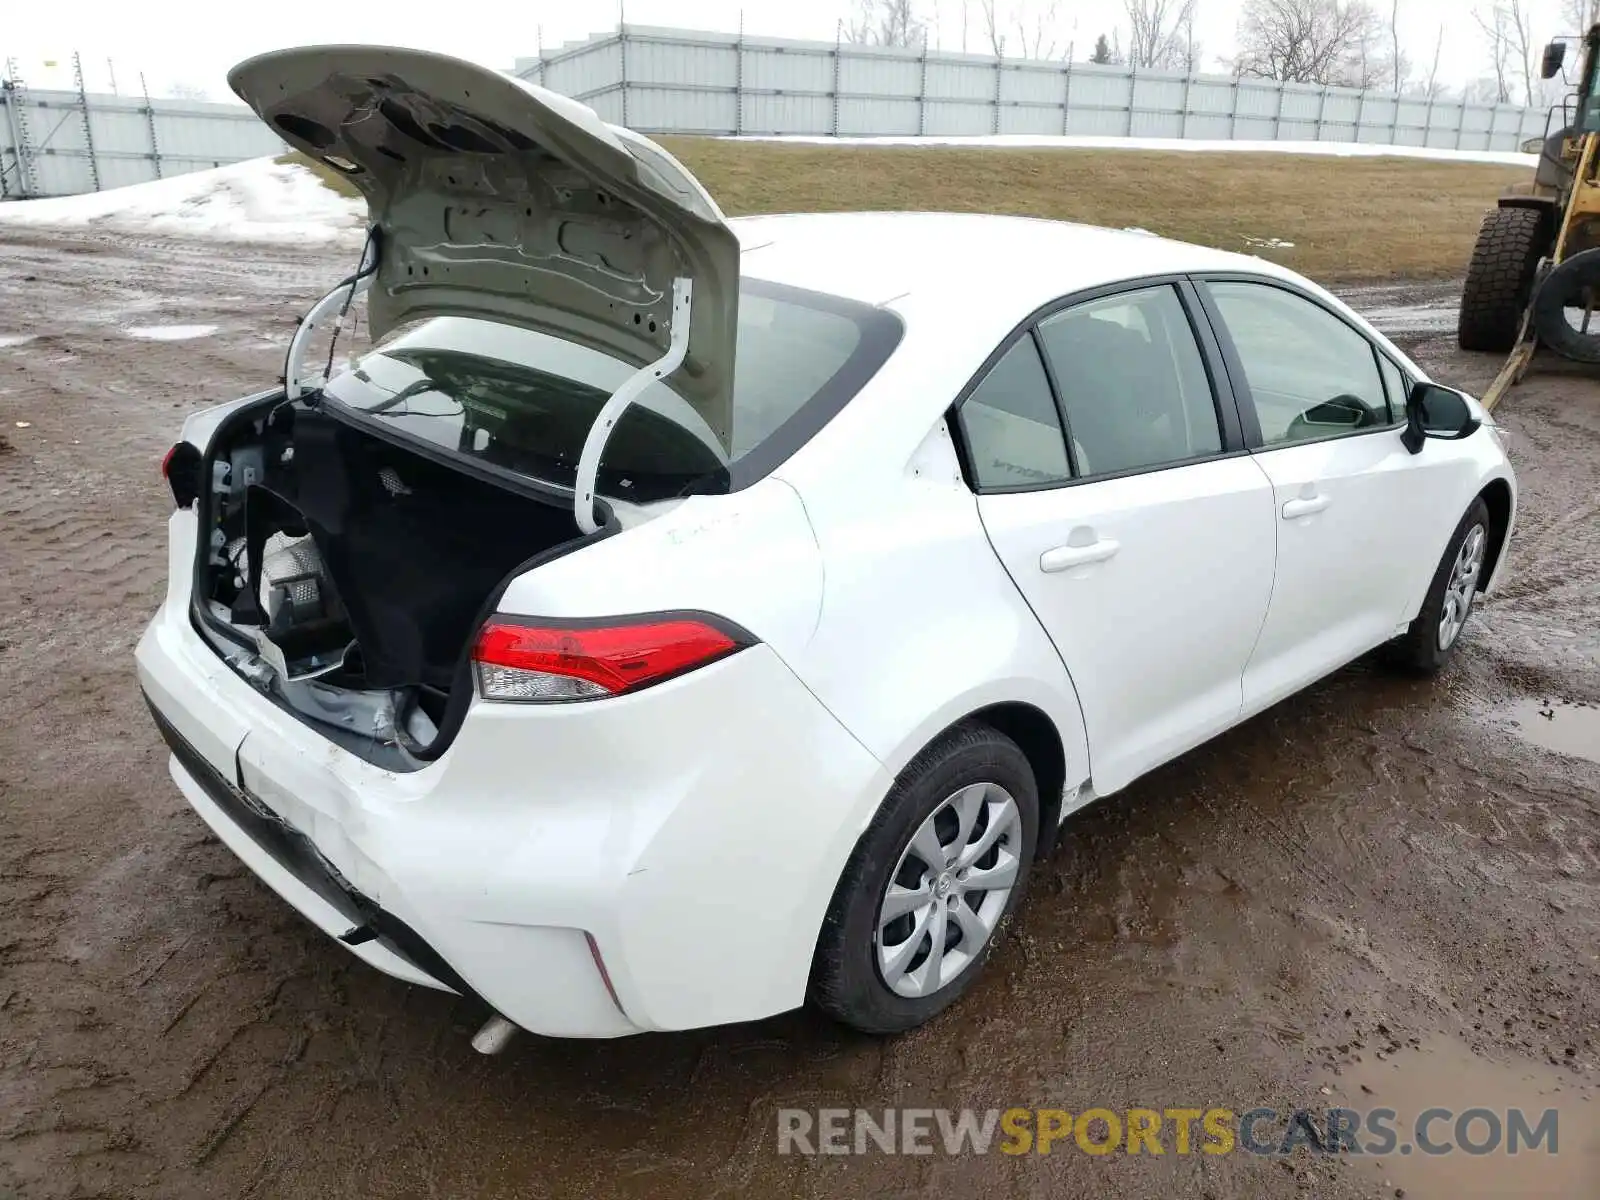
[1156, 31]
[1507, 27]
[886, 23]
[1310, 41]
[1396, 59]
[1191, 45]
[1434, 90]
[1036, 25]
[993, 27]
[1579, 15]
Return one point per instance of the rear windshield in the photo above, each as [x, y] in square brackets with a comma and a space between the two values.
[523, 402]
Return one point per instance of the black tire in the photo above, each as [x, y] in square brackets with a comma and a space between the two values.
[1511, 241]
[1418, 649]
[1568, 285]
[846, 982]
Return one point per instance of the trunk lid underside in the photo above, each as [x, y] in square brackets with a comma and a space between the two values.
[497, 199]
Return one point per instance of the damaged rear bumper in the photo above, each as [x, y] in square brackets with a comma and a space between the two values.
[551, 851]
[286, 859]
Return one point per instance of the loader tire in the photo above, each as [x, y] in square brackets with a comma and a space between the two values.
[1569, 285]
[1511, 241]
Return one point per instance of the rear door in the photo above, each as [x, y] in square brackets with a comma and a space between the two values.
[1360, 520]
[1142, 536]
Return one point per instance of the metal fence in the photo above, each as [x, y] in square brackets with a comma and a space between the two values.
[676, 81]
[56, 143]
[59, 143]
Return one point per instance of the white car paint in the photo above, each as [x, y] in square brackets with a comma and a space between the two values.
[696, 830]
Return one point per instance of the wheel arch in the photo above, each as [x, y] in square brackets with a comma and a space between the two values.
[1501, 502]
[1040, 741]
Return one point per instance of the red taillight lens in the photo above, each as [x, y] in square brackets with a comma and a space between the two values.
[550, 661]
[166, 461]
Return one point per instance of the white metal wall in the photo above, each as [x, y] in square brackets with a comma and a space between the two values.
[677, 81]
[45, 143]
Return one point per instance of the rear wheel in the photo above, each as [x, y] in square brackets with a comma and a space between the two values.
[1434, 635]
[930, 885]
[1511, 241]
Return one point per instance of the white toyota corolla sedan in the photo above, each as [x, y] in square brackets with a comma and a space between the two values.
[674, 619]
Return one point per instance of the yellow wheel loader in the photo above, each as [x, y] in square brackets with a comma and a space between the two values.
[1535, 271]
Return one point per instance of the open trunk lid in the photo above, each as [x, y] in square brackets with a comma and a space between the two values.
[494, 198]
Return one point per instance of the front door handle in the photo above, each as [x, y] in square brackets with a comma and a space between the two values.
[1305, 506]
[1064, 558]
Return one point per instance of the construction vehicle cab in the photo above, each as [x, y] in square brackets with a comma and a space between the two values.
[1535, 269]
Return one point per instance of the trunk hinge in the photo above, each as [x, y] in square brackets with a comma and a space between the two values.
[632, 388]
[339, 300]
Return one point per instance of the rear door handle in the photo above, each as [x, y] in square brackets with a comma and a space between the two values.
[1064, 558]
[1305, 506]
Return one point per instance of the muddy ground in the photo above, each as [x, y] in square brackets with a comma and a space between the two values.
[1382, 890]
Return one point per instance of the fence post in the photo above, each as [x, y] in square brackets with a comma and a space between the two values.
[1277, 117]
[1494, 123]
[838, 46]
[738, 79]
[1133, 93]
[922, 92]
[622, 55]
[999, 76]
[1361, 115]
[150, 120]
[17, 113]
[83, 109]
[1427, 122]
[1394, 122]
[1322, 112]
[1461, 125]
[1066, 100]
[1233, 117]
[1183, 117]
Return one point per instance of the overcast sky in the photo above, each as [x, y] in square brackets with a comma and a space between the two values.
[195, 41]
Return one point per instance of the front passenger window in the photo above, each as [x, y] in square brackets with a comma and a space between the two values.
[1132, 381]
[1311, 376]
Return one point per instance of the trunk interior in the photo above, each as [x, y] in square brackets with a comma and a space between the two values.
[346, 574]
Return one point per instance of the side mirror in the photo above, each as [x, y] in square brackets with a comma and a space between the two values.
[1554, 55]
[1433, 411]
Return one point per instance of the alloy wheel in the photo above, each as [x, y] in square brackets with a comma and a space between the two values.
[1462, 585]
[948, 890]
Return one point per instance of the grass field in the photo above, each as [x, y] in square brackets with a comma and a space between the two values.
[1349, 218]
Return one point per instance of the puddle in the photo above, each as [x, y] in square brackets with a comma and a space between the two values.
[1445, 1074]
[170, 333]
[8, 340]
[1414, 318]
[1561, 726]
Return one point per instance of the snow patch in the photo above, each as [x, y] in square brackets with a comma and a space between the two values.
[8, 340]
[1268, 243]
[170, 333]
[259, 200]
[1023, 141]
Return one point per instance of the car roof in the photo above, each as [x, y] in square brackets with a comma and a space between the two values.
[1014, 263]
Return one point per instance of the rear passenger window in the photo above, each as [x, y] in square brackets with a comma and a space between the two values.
[1311, 376]
[1132, 382]
[1010, 426]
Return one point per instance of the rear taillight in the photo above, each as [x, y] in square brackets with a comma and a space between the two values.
[180, 467]
[545, 661]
